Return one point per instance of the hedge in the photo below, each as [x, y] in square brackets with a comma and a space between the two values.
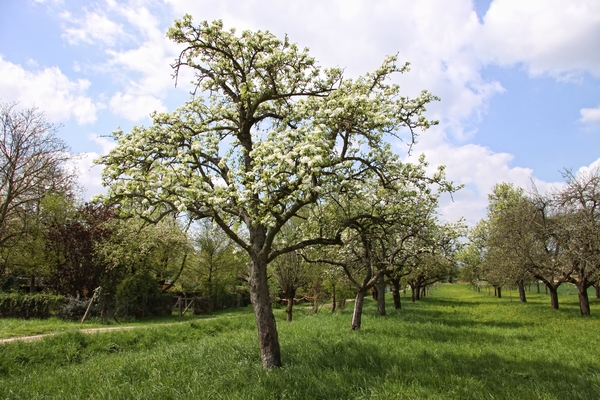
[24, 305]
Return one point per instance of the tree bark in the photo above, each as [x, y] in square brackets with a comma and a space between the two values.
[333, 299]
[396, 293]
[499, 291]
[584, 301]
[270, 351]
[553, 296]
[381, 295]
[290, 306]
[521, 286]
[358, 306]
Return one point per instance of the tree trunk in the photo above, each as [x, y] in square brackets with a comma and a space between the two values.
[358, 306]
[584, 301]
[374, 293]
[333, 299]
[597, 287]
[521, 286]
[499, 291]
[424, 291]
[396, 293]
[381, 296]
[417, 292]
[290, 306]
[538, 286]
[553, 296]
[263, 312]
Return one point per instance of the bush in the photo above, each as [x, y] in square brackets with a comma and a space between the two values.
[141, 296]
[25, 305]
[74, 309]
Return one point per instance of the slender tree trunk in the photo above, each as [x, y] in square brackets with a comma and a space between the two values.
[499, 291]
[290, 306]
[417, 291]
[553, 296]
[358, 306]
[584, 301]
[495, 291]
[270, 351]
[521, 286]
[538, 286]
[333, 299]
[396, 293]
[597, 287]
[424, 291]
[381, 295]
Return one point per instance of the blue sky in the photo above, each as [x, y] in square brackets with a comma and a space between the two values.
[519, 80]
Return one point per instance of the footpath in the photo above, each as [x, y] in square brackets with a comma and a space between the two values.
[86, 331]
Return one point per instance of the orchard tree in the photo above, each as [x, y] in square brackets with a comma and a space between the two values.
[509, 219]
[266, 133]
[579, 232]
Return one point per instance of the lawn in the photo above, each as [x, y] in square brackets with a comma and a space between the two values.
[454, 344]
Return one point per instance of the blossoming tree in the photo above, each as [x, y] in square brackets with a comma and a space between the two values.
[265, 134]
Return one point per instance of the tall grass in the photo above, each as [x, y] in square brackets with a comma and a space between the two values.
[455, 343]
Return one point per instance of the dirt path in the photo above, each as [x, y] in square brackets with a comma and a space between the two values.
[86, 331]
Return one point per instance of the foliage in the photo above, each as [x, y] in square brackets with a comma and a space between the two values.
[76, 269]
[141, 296]
[32, 166]
[21, 305]
[74, 309]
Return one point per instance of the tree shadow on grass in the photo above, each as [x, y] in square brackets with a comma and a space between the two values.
[363, 370]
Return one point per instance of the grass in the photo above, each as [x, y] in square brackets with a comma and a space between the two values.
[453, 344]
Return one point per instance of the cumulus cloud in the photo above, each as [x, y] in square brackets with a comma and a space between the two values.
[590, 114]
[48, 89]
[138, 53]
[558, 37]
[92, 27]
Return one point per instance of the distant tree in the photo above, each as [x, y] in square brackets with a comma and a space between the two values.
[269, 134]
[76, 269]
[291, 273]
[32, 165]
[578, 211]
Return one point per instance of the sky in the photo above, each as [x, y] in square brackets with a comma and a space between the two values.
[519, 81]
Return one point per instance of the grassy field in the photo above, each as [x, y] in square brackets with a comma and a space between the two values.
[454, 344]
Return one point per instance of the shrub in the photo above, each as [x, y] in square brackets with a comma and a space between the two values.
[141, 296]
[74, 308]
[24, 305]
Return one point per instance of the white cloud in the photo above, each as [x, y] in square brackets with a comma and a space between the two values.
[92, 28]
[557, 37]
[135, 106]
[49, 89]
[590, 114]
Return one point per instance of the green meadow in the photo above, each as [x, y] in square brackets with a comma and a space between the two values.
[454, 344]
